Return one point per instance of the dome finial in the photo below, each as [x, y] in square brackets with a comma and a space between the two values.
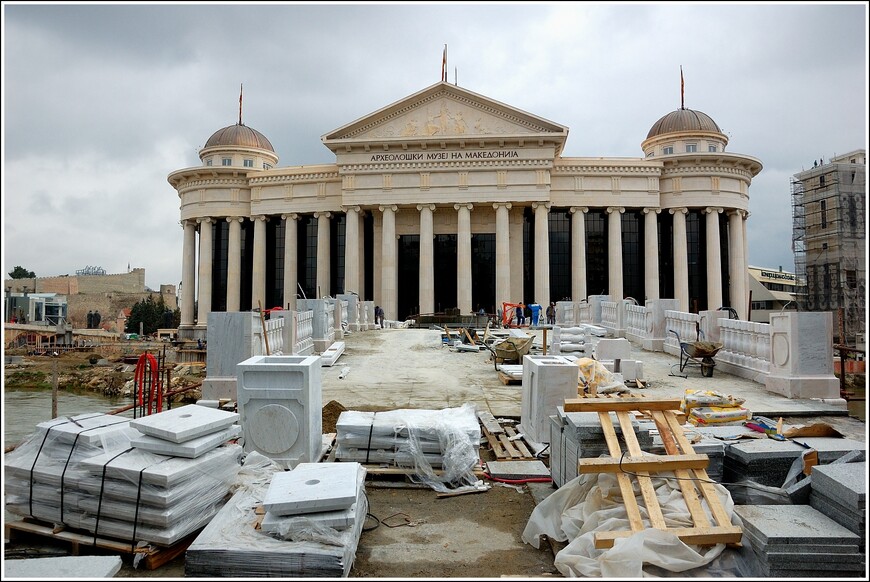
[240, 103]
[682, 90]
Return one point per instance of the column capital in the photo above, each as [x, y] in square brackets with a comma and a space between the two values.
[650, 210]
[431, 207]
[349, 209]
[257, 217]
[612, 209]
[239, 219]
[712, 209]
[205, 220]
[583, 209]
[392, 207]
[497, 205]
[464, 205]
[544, 205]
[682, 210]
[738, 212]
[188, 222]
[325, 214]
[290, 216]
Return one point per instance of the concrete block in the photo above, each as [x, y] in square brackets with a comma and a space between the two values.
[547, 382]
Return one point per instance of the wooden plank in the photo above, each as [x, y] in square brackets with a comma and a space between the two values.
[650, 464]
[687, 486]
[470, 339]
[616, 404]
[507, 379]
[519, 444]
[497, 448]
[509, 447]
[693, 536]
[489, 422]
[656, 519]
[634, 518]
[386, 471]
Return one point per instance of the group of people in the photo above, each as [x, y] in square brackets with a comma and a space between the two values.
[535, 310]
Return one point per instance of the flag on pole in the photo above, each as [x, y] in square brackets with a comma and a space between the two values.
[682, 90]
[444, 65]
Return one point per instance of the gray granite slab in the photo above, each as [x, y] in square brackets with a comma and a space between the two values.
[517, 469]
[63, 567]
[312, 487]
[791, 524]
[786, 548]
[190, 449]
[338, 519]
[823, 560]
[842, 481]
[764, 450]
[184, 423]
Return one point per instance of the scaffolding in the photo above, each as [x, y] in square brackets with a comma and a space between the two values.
[799, 242]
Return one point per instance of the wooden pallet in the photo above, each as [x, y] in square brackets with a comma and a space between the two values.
[689, 467]
[155, 557]
[499, 438]
[507, 379]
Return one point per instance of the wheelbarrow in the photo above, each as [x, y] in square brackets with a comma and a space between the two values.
[699, 353]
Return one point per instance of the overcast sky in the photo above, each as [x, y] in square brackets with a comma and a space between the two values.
[102, 102]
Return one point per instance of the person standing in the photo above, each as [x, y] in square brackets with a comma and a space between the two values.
[551, 314]
[521, 314]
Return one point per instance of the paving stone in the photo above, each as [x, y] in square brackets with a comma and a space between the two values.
[792, 524]
[312, 487]
[63, 567]
[517, 469]
[190, 449]
[184, 423]
[842, 481]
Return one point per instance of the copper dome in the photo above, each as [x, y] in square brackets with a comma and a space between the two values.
[683, 120]
[241, 136]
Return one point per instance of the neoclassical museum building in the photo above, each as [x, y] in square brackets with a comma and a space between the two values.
[449, 199]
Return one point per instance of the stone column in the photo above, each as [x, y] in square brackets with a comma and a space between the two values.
[258, 285]
[542, 253]
[578, 252]
[681, 259]
[351, 250]
[206, 246]
[651, 253]
[463, 258]
[188, 274]
[502, 254]
[714, 260]
[614, 252]
[290, 260]
[323, 257]
[427, 258]
[737, 263]
[389, 263]
[234, 263]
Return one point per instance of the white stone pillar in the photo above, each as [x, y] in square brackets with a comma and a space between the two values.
[502, 254]
[651, 253]
[517, 258]
[323, 257]
[542, 253]
[291, 222]
[463, 258]
[206, 246]
[351, 250]
[737, 262]
[427, 258]
[578, 252]
[188, 274]
[389, 263]
[614, 253]
[681, 259]
[258, 285]
[714, 260]
[234, 263]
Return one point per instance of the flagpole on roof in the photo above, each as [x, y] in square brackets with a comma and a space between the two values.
[444, 65]
[682, 90]
[240, 103]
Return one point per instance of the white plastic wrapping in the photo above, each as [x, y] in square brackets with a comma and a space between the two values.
[593, 503]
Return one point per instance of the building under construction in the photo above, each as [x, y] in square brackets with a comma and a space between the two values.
[828, 240]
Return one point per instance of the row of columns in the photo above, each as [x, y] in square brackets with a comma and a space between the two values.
[389, 257]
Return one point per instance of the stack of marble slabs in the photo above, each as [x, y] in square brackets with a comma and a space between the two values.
[514, 371]
[576, 435]
[707, 445]
[838, 491]
[767, 461]
[99, 483]
[403, 437]
[325, 494]
[188, 431]
[798, 541]
[233, 546]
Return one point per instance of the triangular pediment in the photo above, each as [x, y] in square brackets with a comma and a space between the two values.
[444, 112]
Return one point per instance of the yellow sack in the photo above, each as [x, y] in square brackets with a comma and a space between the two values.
[695, 398]
[706, 415]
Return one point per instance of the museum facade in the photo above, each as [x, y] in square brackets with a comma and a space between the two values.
[449, 199]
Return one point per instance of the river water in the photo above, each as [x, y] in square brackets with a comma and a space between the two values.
[24, 409]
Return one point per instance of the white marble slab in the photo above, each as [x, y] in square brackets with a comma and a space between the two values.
[312, 487]
[185, 423]
[190, 449]
[63, 567]
[84, 429]
[329, 357]
[338, 519]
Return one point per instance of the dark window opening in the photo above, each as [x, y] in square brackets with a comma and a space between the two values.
[408, 266]
[444, 262]
[483, 272]
[560, 256]
[596, 253]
